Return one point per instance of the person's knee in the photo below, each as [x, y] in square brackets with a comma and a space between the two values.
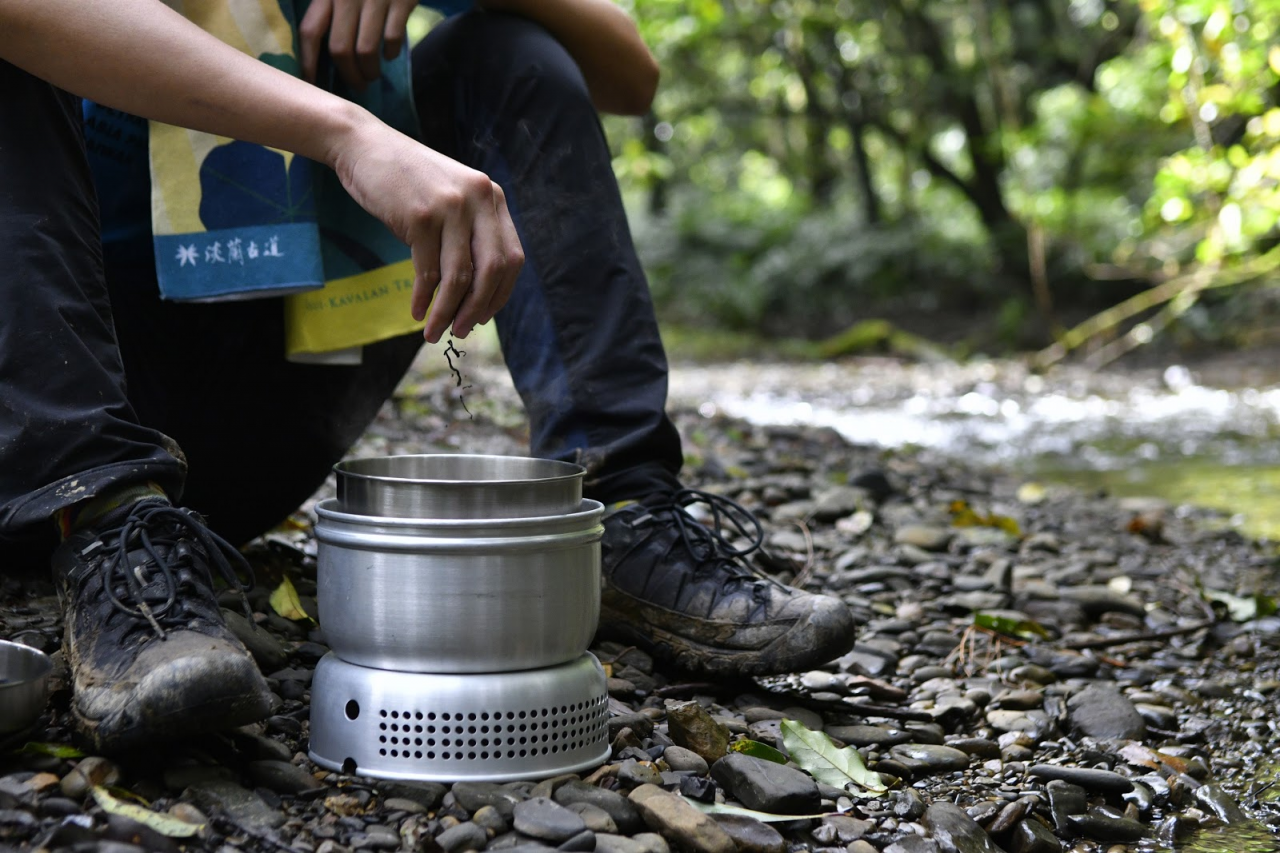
[498, 49]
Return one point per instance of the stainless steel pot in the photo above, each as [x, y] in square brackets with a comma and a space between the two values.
[458, 485]
[24, 685]
[459, 595]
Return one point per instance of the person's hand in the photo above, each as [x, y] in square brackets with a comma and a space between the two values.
[356, 29]
[455, 220]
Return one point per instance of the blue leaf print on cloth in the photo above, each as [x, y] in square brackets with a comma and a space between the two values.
[243, 184]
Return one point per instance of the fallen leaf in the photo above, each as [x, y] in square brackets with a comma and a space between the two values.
[814, 752]
[763, 817]
[1022, 628]
[963, 515]
[165, 824]
[57, 750]
[284, 600]
[756, 749]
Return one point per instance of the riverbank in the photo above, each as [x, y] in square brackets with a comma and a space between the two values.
[1040, 669]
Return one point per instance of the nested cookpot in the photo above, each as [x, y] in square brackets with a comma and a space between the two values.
[450, 594]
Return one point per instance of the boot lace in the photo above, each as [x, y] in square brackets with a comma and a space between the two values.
[709, 540]
[149, 589]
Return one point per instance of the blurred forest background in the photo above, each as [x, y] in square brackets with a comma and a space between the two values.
[987, 174]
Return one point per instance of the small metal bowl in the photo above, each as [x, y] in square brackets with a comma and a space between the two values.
[24, 685]
[458, 485]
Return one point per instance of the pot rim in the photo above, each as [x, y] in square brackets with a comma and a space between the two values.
[589, 512]
[344, 469]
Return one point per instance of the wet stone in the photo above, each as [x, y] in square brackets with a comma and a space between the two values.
[923, 536]
[864, 735]
[954, 830]
[1103, 712]
[644, 843]
[379, 837]
[912, 844]
[1107, 828]
[766, 786]
[751, 835]
[843, 828]
[978, 747]
[689, 725]
[464, 836]
[621, 809]
[634, 773]
[242, 805]
[679, 758]
[926, 759]
[88, 773]
[594, 818]
[583, 842]
[400, 804]
[680, 822]
[1065, 800]
[547, 820]
[1090, 779]
[282, 777]
[1032, 836]
[474, 795]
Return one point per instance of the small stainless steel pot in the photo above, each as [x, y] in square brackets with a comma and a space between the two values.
[458, 485]
[458, 595]
[24, 685]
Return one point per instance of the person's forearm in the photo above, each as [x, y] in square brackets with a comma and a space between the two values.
[141, 57]
[621, 73]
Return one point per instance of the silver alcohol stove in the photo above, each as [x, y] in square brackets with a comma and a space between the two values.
[459, 640]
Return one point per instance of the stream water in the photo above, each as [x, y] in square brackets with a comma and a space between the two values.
[1160, 433]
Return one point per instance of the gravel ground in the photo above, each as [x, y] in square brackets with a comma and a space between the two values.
[1039, 670]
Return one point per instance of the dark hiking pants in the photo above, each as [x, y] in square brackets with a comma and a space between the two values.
[101, 382]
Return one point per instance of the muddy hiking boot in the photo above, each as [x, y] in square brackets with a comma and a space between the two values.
[681, 590]
[150, 655]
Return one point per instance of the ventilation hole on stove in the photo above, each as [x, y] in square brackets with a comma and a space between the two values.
[446, 730]
[417, 715]
[382, 739]
[382, 752]
[521, 715]
[483, 756]
[417, 754]
[417, 741]
[353, 709]
[382, 726]
[484, 715]
[511, 753]
[471, 716]
[471, 730]
[382, 713]
[444, 755]
[445, 716]
[418, 729]
[349, 766]
[484, 730]
[431, 730]
[431, 741]
[523, 753]
[511, 715]
[431, 715]
[395, 753]
[431, 756]
[471, 756]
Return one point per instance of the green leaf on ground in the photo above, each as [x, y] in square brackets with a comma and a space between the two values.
[1024, 628]
[816, 753]
[756, 749]
[764, 817]
[57, 750]
[284, 600]
[1243, 608]
[164, 824]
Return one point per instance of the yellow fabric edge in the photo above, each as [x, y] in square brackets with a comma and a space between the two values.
[350, 312]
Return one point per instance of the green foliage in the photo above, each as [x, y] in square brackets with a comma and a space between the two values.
[810, 162]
